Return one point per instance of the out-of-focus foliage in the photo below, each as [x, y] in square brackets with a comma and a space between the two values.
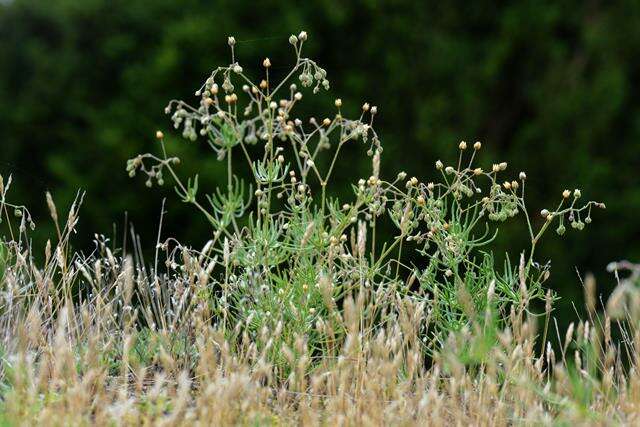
[550, 86]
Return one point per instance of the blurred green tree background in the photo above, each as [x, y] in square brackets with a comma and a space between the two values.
[550, 87]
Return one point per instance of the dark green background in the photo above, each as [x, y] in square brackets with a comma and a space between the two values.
[550, 87]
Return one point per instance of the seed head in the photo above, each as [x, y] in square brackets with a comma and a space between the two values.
[159, 134]
[266, 63]
[522, 176]
[326, 122]
[462, 145]
[439, 165]
[577, 193]
[561, 229]
[477, 145]
[365, 106]
[302, 36]
[231, 41]
[566, 194]
[338, 102]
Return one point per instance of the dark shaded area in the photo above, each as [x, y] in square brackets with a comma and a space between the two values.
[550, 87]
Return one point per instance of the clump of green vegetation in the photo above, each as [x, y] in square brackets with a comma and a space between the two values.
[286, 255]
[298, 310]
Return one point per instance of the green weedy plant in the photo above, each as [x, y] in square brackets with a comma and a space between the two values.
[284, 258]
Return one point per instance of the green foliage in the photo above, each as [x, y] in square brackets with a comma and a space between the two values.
[549, 85]
[284, 262]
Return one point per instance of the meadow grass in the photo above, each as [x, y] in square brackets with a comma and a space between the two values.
[299, 310]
